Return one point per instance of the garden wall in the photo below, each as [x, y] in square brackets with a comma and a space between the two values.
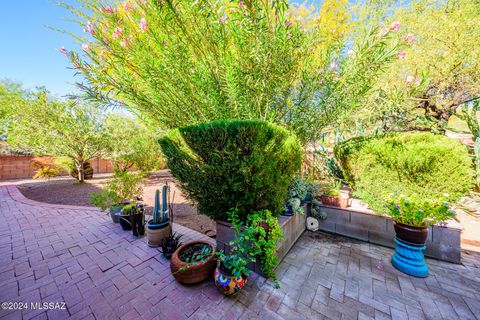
[20, 166]
[292, 227]
[443, 243]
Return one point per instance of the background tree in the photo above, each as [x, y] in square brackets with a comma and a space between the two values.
[131, 144]
[438, 70]
[185, 62]
[47, 126]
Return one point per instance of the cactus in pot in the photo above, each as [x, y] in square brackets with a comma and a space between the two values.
[159, 227]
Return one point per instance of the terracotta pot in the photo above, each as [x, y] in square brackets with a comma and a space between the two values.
[227, 283]
[156, 234]
[341, 202]
[192, 273]
[411, 234]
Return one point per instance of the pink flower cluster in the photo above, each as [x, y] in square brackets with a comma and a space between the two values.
[401, 54]
[288, 23]
[395, 26]
[85, 47]
[241, 4]
[63, 51]
[412, 80]
[108, 9]
[143, 24]
[90, 28]
[117, 32]
[223, 19]
[409, 38]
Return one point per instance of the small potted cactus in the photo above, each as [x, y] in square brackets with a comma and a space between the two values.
[159, 227]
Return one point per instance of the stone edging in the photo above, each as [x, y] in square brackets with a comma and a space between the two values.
[16, 195]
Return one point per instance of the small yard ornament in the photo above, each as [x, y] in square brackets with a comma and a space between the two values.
[312, 224]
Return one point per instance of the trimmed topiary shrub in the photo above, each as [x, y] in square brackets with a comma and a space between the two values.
[419, 164]
[225, 164]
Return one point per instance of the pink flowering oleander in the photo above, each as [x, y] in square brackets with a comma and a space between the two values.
[401, 54]
[395, 26]
[241, 4]
[85, 47]
[63, 51]
[143, 24]
[409, 38]
[117, 32]
[288, 23]
[127, 5]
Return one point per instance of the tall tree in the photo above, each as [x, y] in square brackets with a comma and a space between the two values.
[47, 126]
[184, 62]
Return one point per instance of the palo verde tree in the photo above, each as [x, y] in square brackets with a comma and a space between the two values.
[185, 62]
[439, 68]
[44, 125]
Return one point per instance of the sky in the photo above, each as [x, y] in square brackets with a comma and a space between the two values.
[29, 48]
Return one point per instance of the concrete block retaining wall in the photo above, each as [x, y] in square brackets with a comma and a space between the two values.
[292, 228]
[443, 243]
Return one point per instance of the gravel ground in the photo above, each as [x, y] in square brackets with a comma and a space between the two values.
[65, 190]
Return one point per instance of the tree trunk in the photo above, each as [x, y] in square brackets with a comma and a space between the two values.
[80, 169]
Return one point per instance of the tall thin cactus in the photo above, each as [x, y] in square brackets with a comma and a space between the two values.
[156, 208]
[164, 203]
[160, 214]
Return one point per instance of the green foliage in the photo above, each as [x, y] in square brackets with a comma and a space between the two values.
[257, 237]
[476, 149]
[185, 62]
[297, 192]
[422, 165]
[132, 144]
[45, 168]
[246, 164]
[129, 209]
[122, 187]
[104, 199]
[418, 212]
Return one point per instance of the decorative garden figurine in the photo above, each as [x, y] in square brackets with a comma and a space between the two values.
[411, 221]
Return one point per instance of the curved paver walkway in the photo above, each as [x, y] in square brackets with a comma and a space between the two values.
[76, 255]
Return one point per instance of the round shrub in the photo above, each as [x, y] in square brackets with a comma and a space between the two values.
[419, 164]
[225, 164]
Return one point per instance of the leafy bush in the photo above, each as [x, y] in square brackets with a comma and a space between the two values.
[122, 187]
[423, 165]
[45, 168]
[223, 164]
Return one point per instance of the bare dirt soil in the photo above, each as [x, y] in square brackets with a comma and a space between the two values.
[65, 190]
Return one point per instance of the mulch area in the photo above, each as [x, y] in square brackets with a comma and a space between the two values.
[65, 190]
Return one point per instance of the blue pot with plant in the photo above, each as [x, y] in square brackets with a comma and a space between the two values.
[412, 218]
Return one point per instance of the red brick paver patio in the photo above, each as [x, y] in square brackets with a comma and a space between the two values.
[77, 256]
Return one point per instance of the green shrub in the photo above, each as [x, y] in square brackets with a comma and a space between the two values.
[224, 164]
[422, 165]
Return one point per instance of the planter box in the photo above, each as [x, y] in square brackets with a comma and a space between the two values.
[443, 243]
[292, 227]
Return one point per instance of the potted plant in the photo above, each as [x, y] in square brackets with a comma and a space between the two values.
[132, 218]
[159, 227]
[193, 262]
[332, 195]
[120, 191]
[170, 244]
[299, 193]
[412, 218]
[231, 273]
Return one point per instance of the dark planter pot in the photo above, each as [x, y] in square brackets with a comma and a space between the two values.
[308, 198]
[116, 210]
[125, 222]
[140, 223]
[289, 211]
[410, 234]
[192, 273]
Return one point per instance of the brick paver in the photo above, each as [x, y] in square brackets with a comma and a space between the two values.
[76, 255]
